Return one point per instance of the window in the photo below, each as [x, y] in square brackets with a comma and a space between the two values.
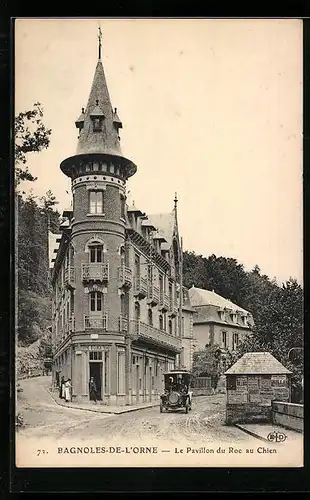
[235, 340]
[137, 265]
[161, 322]
[161, 286]
[96, 253]
[234, 317]
[137, 311]
[170, 295]
[96, 301]
[96, 202]
[150, 317]
[224, 339]
[95, 355]
[170, 326]
[97, 124]
[122, 207]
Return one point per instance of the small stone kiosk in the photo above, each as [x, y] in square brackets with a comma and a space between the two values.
[252, 383]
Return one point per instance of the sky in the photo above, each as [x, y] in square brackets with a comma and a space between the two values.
[211, 109]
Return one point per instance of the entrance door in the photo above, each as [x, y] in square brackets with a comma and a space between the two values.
[95, 370]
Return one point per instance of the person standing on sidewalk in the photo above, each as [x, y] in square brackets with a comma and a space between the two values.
[92, 390]
[62, 388]
[68, 387]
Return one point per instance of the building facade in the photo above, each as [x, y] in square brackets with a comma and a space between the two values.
[118, 312]
[218, 321]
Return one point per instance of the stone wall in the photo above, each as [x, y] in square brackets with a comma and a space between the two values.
[247, 412]
[289, 415]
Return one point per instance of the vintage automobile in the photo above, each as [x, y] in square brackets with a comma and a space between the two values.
[177, 394]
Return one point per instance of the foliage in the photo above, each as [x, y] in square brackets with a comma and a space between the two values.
[206, 362]
[31, 136]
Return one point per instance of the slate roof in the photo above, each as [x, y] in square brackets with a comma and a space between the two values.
[257, 363]
[107, 140]
[201, 297]
[165, 224]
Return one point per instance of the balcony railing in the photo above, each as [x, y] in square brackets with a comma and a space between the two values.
[123, 324]
[153, 294]
[70, 276]
[138, 329]
[95, 272]
[140, 286]
[69, 325]
[96, 322]
[164, 301]
[124, 276]
[173, 307]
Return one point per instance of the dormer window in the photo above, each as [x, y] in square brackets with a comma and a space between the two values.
[245, 320]
[80, 121]
[222, 314]
[97, 117]
[234, 317]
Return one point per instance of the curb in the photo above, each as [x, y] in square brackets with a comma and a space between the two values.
[118, 412]
[251, 433]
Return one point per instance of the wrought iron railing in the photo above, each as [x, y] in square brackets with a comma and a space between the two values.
[154, 335]
[69, 276]
[140, 286]
[124, 276]
[95, 272]
[123, 324]
[96, 322]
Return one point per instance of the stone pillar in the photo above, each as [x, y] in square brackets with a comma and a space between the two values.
[128, 371]
[113, 365]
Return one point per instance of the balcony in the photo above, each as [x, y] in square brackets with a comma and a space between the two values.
[69, 277]
[95, 272]
[124, 277]
[153, 295]
[140, 330]
[173, 308]
[123, 324]
[140, 287]
[164, 302]
[69, 326]
[96, 322]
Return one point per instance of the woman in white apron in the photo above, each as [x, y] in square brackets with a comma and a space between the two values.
[68, 390]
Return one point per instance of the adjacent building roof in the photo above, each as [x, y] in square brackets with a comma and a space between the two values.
[53, 245]
[257, 363]
[200, 297]
[165, 224]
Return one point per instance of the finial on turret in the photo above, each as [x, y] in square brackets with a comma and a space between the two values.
[175, 201]
[99, 40]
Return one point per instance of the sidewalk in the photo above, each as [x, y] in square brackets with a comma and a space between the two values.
[98, 407]
[262, 430]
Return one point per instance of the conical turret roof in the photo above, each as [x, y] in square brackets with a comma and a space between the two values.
[105, 140]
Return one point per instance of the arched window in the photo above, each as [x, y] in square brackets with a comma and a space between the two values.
[137, 311]
[96, 301]
[150, 317]
[95, 250]
[170, 326]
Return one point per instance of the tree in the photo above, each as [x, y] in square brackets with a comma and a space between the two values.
[31, 136]
[207, 363]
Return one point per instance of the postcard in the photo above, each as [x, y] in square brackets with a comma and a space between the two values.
[159, 286]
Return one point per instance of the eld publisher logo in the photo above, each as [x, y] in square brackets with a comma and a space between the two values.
[276, 437]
